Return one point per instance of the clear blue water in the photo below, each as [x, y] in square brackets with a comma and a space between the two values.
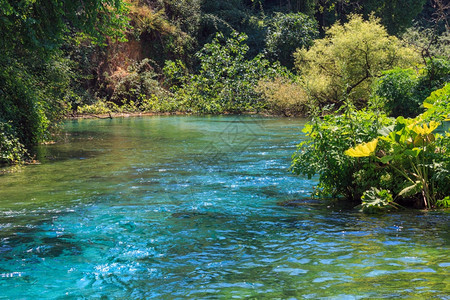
[184, 207]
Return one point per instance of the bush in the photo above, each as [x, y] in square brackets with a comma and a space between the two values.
[362, 153]
[11, 150]
[438, 105]
[284, 97]
[417, 157]
[402, 91]
[21, 102]
[166, 28]
[323, 153]
[396, 90]
[139, 82]
[430, 44]
[344, 63]
[160, 105]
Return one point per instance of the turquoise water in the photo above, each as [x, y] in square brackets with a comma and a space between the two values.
[177, 207]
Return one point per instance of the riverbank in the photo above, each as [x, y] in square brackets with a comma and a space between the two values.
[74, 116]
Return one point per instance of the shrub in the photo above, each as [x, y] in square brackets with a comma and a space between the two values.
[323, 153]
[140, 81]
[396, 90]
[430, 44]
[166, 28]
[11, 150]
[438, 105]
[160, 105]
[344, 63]
[415, 154]
[98, 108]
[358, 151]
[284, 97]
[402, 91]
[417, 157]
[21, 102]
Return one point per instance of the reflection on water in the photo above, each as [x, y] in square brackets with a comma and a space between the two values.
[188, 207]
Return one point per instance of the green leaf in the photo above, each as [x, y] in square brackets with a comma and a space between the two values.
[413, 152]
[411, 190]
[427, 105]
[385, 131]
[386, 159]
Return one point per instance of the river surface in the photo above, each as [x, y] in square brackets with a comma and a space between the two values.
[185, 207]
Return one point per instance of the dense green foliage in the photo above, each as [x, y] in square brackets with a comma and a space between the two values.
[323, 153]
[429, 42]
[395, 15]
[226, 80]
[11, 150]
[287, 33]
[103, 56]
[396, 90]
[343, 64]
[34, 75]
[402, 91]
[284, 96]
[357, 151]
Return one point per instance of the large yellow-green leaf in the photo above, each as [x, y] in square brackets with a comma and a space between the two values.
[362, 150]
[425, 130]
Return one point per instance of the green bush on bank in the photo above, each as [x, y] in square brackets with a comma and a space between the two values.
[284, 97]
[323, 153]
[139, 82]
[11, 150]
[401, 92]
[358, 151]
[150, 104]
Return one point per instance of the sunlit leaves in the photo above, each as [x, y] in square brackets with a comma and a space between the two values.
[426, 129]
[343, 64]
[406, 157]
[438, 104]
[227, 80]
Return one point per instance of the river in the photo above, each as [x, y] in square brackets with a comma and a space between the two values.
[186, 207]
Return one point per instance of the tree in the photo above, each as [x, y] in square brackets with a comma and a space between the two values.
[226, 80]
[344, 63]
[33, 73]
[286, 33]
[395, 15]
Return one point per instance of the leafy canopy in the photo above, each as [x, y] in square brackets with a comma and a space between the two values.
[344, 63]
[226, 80]
[34, 74]
[402, 91]
[288, 32]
